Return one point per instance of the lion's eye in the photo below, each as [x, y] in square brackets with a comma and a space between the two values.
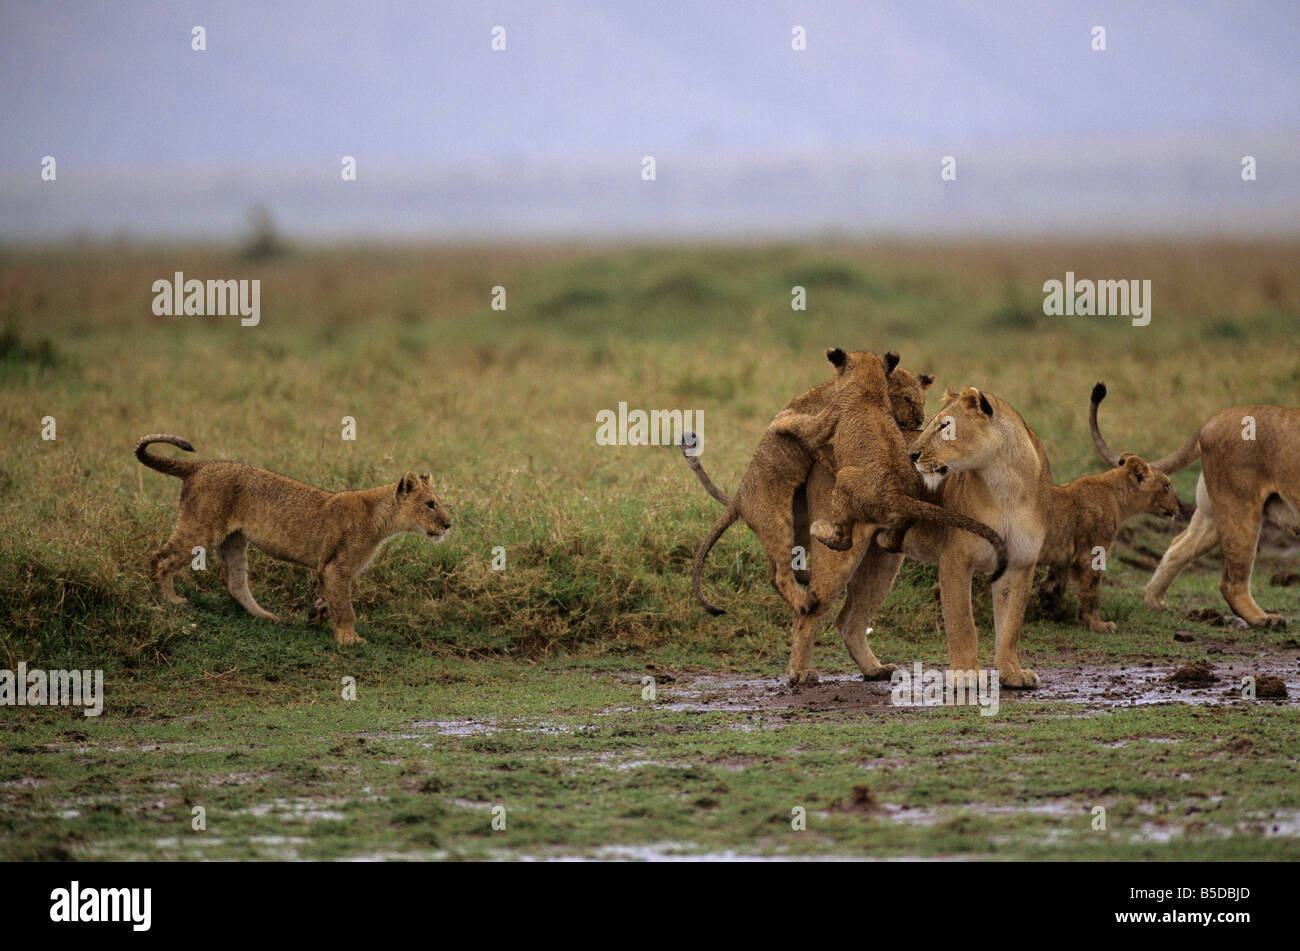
[432, 505]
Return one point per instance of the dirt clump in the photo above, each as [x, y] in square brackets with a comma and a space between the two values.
[1194, 675]
[860, 799]
[1269, 687]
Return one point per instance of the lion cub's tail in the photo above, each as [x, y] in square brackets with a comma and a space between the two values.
[172, 467]
[917, 508]
[721, 525]
[1180, 458]
[688, 441]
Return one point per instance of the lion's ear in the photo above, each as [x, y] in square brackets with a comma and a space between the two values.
[1135, 466]
[977, 400]
[426, 478]
[837, 357]
[891, 360]
[925, 379]
[950, 394]
[406, 484]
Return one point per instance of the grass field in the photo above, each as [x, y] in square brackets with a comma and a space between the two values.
[523, 688]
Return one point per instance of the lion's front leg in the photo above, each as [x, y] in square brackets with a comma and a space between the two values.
[1010, 596]
[955, 574]
[1088, 580]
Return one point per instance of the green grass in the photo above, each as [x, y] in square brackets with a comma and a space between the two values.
[501, 407]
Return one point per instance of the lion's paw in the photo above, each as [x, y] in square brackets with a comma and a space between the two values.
[883, 672]
[1023, 679]
[803, 678]
[831, 535]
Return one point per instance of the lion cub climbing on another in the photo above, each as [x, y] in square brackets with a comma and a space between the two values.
[231, 505]
[1086, 515]
[771, 498]
[855, 438]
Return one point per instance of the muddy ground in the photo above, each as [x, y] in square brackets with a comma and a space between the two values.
[1099, 686]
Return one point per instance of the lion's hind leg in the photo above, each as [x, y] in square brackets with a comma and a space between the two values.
[1200, 537]
[773, 523]
[178, 550]
[1239, 541]
[813, 431]
[872, 579]
[234, 555]
[852, 484]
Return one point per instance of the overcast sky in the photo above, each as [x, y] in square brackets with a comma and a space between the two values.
[453, 138]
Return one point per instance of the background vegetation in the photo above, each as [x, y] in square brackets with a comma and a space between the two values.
[501, 407]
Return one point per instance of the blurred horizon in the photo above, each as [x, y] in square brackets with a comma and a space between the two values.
[751, 139]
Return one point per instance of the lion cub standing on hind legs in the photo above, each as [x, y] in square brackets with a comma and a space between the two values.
[772, 499]
[231, 505]
[855, 438]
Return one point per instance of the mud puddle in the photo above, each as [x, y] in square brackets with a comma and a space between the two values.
[1101, 686]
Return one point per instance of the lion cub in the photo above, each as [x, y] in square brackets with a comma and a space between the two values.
[771, 499]
[231, 505]
[855, 438]
[1086, 514]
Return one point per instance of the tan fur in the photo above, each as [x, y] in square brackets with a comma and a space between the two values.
[874, 483]
[227, 506]
[771, 499]
[1086, 514]
[994, 469]
[1242, 482]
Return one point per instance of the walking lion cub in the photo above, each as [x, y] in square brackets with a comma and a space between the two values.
[1086, 515]
[230, 505]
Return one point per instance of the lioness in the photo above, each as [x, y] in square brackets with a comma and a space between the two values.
[230, 505]
[874, 484]
[1250, 470]
[981, 458]
[771, 499]
[1086, 515]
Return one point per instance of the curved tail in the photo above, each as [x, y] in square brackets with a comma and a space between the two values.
[937, 513]
[723, 523]
[690, 440]
[179, 468]
[1183, 457]
[1109, 455]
